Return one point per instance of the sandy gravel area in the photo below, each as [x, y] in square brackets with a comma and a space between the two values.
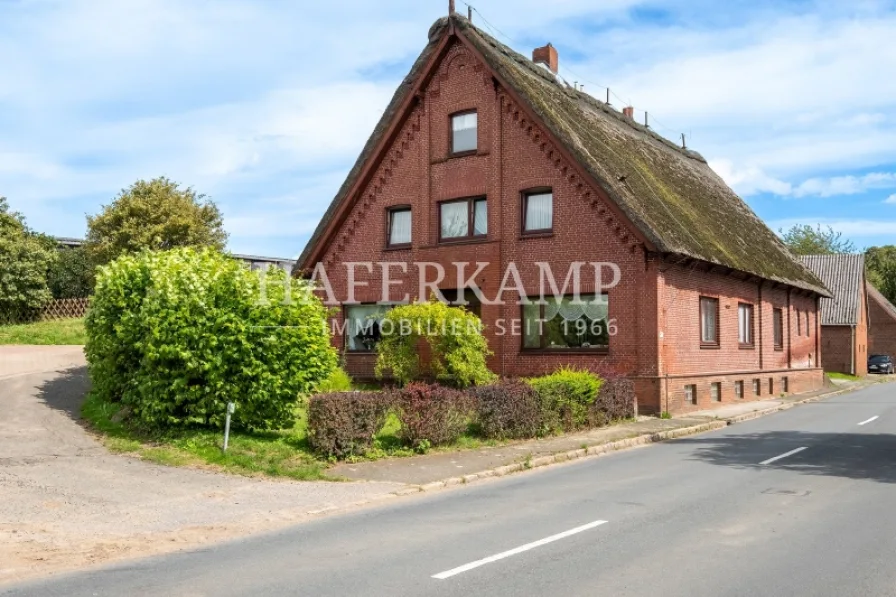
[65, 502]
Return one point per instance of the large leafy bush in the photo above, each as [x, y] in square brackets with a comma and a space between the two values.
[342, 424]
[456, 352]
[177, 335]
[567, 397]
[25, 258]
[508, 409]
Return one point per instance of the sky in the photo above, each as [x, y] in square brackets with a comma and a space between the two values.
[264, 105]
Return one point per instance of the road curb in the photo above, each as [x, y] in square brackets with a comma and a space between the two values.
[560, 457]
[616, 446]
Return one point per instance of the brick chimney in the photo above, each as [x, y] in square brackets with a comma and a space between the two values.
[547, 56]
[629, 111]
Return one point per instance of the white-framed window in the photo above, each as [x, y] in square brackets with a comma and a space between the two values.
[690, 394]
[715, 391]
[399, 226]
[745, 324]
[464, 127]
[739, 389]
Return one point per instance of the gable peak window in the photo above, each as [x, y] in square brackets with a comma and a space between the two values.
[709, 321]
[399, 233]
[745, 324]
[464, 129]
[538, 212]
[463, 219]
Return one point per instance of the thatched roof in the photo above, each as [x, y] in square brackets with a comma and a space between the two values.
[670, 195]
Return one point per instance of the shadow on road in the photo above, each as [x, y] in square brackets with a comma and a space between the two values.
[851, 455]
[66, 391]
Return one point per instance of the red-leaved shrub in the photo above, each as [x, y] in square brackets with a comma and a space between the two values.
[615, 401]
[344, 424]
[432, 414]
[508, 409]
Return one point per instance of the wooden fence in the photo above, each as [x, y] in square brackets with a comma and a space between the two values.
[53, 311]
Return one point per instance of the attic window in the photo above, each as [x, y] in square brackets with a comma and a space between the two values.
[464, 128]
[538, 212]
[399, 226]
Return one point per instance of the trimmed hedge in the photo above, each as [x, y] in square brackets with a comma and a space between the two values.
[176, 335]
[508, 409]
[567, 397]
[344, 424]
[432, 415]
[616, 400]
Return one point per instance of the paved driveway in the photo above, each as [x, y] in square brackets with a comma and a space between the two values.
[66, 502]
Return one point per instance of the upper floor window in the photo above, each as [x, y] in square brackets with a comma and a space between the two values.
[709, 321]
[466, 218]
[538, 212]
[399, 226]
[745, 324]
[464, 128]
[778, 324]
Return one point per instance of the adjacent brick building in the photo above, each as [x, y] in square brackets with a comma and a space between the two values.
[486, 157]
[844, 316]
[881, 323]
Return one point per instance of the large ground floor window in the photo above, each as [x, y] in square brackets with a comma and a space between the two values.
[362, 330]
[560, 323]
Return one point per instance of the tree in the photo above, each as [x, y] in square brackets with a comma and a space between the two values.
[805, 240]
[155, 215]
[72, 276]
[25, 258]
[881, 265]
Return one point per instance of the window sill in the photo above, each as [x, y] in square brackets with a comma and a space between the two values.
[779, 349]
[360, 352]
[406, 247]
[746, 346]
[544, 234]
[467, 240]
[564, 351]
[710, 347]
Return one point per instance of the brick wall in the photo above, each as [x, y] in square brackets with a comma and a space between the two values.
[845, 348]
[881, 329]
[655, 306]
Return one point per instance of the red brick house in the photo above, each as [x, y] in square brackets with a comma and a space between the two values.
[881, 323]
[844, 316]
[486, 157]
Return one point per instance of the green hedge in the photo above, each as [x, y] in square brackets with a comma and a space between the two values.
[566, 398]
[177, 335]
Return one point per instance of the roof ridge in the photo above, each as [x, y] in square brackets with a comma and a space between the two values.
[573, 92]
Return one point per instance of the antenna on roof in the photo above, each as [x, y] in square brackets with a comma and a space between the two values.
[646, 121]
[684, 144]
[608, 97]
[451, 7]
[469, 13]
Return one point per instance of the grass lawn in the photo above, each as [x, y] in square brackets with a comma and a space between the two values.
[282, 453]
[843, 376]
[62, 332]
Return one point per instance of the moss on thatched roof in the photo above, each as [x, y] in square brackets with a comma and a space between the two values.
[670, 194]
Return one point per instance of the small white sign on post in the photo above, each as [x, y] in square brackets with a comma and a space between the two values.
[231, 407]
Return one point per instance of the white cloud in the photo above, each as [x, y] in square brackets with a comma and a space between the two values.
[891, 199]
[845, 185]
[749, 180]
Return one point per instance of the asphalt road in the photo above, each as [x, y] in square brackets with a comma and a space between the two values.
[700, 516]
